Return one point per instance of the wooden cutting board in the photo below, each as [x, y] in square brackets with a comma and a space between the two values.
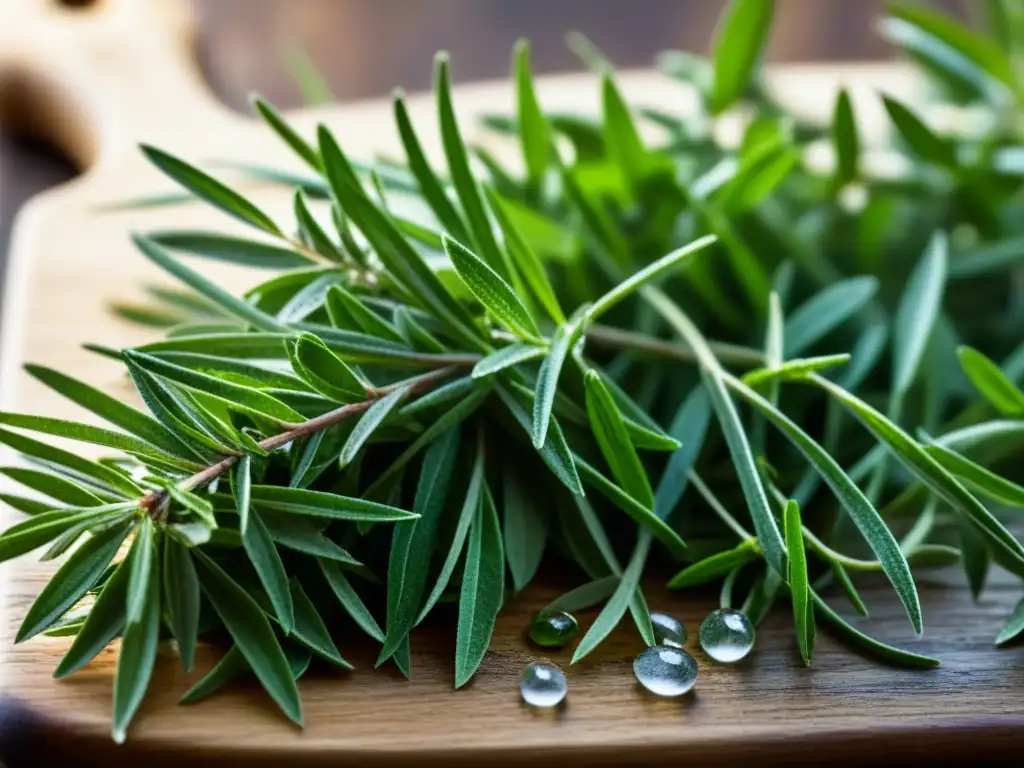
[98, 80]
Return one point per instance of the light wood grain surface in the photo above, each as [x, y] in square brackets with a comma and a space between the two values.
[69, 260]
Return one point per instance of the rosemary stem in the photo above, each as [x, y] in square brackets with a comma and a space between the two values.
[318, 424]
[735, 354]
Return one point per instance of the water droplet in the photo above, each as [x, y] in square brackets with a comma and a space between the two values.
[553, 630]
[543, 685]
[666, 671]
[726, 635]
[668, 630]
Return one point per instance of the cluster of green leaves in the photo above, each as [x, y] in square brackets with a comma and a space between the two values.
[453, 374]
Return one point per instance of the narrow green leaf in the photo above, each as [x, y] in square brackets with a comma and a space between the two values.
[231, 666]
[845, 139]
[431, 189]
[555, 451]
[547, 380]
[321, 504]
[524, 530]
[1008, 550]
[492, 291]
[237, 396]
[76, 576]
[413, 543]
[218, 295]
[369, 422]
[54, 486]
[918, 137]
[792, 370]
[640, 513]
[584, 596]
[526, 261]
[95, 471]
[483, 590]
[534, 134]
[391, 246]
[611, 435]
[991, 382]
[469, 513]
[1013, 627]
[108, 408]
[846, 584]
[301, 535]
[626, 595]
[280, 126]
[350, 600]
[648, 274]
[715, 566]
[252, 633]
[230, 249]
[325, 372]
[463, 180]
[979, 478]
[799, 585]
[621, 138]
[972, 46]
[141, 577]
[43, 528]
[976, 557]
[865, 516]
[266, 561]
[918, 310]
[209, 189]
[345, 309]
[182, 599]
[690, 426]
[825, 311]
[450, 419]
[313, 233]
[310, 629]
[885, 653]
[740, 38]
[137, 656]
[507, 357]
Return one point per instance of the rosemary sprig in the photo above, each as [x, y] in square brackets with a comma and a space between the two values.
[456, 373]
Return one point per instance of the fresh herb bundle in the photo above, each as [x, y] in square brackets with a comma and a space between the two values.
[618, 350]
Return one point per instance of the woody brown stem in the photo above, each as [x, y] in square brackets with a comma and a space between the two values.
[153, 502]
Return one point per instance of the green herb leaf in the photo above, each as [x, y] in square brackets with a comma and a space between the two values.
[181, 596]
[799, 586]
[76, 576]
[845, 139]
[370, 422]
[141, 577]
[919, 138]
[349, 599]
[715, 566]
[252, 633]
[991, 382]
[1013, 627]
[301, 501]
[208, 188]
[230, 249]
[492, 291]
[483, 590]
[413, 543]
[534, 134]
[919, 308]
[137, 657]
[467, 516]
[611, 435]
[507, 357]
[739, 40]
[547, 380]
[525, 530]
[825, 311]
